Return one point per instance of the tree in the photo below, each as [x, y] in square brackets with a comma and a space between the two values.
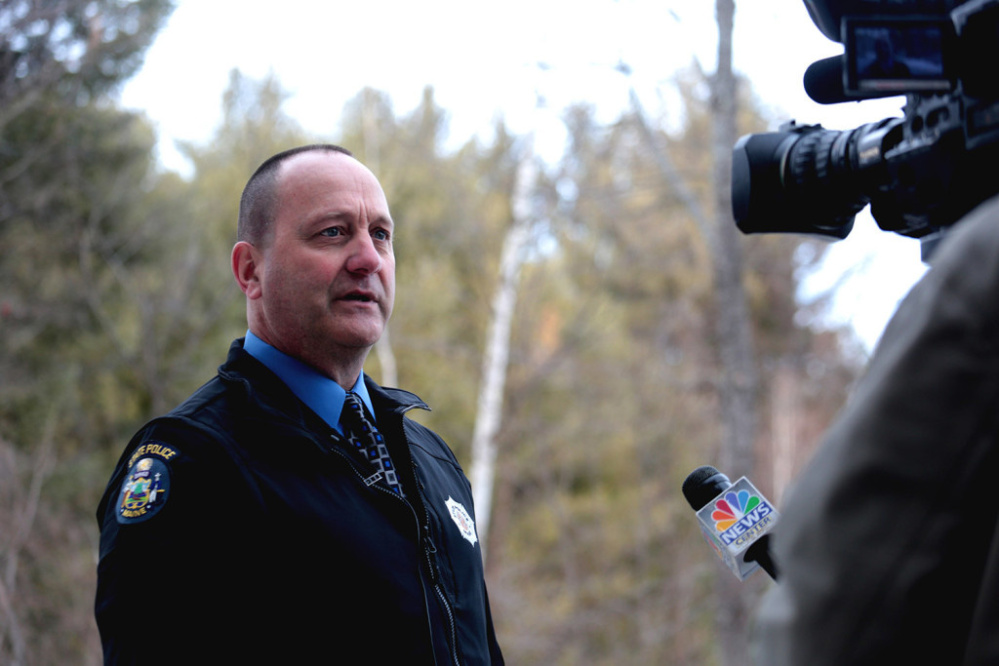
[612, 385]
[72, 170]
[738, 384]
[78, 50]
[495, 358]
[734, 330]
[615, 395]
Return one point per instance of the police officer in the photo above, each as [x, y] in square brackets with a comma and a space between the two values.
[289, 510]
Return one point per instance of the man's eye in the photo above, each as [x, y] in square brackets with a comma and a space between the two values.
[331, 231]
[381, 234]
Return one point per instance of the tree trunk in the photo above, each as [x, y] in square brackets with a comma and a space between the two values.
[497, 352]
[733, 328]
[737, 384]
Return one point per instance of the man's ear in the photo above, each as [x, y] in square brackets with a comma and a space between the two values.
[246, 266]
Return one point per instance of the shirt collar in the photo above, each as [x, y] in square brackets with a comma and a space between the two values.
[320, 393]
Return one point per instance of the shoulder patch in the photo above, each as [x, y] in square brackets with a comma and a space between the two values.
[147, 484]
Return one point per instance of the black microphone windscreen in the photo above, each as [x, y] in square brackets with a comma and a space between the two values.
[703, 485]
[824, 81]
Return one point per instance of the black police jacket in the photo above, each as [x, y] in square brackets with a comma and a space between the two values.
[239, 529]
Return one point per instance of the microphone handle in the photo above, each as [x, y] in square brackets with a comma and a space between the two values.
[759, 552]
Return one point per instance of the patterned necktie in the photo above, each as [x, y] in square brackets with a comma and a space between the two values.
[365, 438]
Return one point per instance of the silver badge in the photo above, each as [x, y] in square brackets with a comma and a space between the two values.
[462, 519]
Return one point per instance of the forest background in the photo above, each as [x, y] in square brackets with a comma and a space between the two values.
[611, 377]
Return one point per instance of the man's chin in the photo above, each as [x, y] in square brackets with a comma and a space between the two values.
[361, 338]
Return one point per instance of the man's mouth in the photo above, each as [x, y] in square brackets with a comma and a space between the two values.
[363, 298]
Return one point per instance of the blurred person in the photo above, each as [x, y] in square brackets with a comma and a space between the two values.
[887, 545]
[885, 65]
[289, 511]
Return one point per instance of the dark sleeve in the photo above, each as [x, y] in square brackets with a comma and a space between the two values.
[495, 654]
[886, 537]
[169, 576]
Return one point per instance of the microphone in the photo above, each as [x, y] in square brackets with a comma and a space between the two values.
[735, 518]
[824, 81]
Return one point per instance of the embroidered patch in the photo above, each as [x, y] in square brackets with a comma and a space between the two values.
[147, 484]
[462, 519]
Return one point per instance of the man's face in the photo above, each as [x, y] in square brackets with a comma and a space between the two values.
[327, 271]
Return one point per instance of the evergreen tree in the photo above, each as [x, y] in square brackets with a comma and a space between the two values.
[72, 172]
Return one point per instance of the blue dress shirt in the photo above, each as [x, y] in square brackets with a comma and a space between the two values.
[320, 393]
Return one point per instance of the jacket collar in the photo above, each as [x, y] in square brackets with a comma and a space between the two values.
[240, 366]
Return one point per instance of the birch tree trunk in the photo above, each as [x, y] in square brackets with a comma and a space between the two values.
[497, 353]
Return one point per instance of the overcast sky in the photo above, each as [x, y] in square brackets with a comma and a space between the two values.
[524, 60]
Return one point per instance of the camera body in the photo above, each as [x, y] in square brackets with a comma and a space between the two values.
[921, 173]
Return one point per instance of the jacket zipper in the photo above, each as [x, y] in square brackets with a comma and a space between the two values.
[429, 549]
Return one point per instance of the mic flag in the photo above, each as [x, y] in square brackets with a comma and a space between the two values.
[733, 518]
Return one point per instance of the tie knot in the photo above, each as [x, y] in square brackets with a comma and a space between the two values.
[352, 400]
[353, 413]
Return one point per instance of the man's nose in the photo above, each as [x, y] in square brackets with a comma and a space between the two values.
[364, 256]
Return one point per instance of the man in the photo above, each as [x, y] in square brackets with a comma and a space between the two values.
[254, 523]
[889, 544]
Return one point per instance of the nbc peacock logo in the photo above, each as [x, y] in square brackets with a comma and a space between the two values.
[740, 513]
[732, 507]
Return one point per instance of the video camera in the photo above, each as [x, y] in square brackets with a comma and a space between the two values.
[921, 173]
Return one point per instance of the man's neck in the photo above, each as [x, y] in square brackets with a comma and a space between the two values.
[344, 368]
[319, 392]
